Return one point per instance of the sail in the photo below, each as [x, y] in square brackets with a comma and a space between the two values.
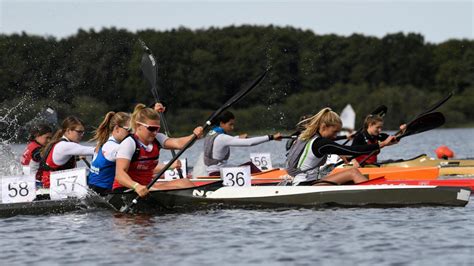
[348, 117]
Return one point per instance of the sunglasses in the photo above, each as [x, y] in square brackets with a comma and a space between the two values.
[128, 129]
[80, 132]
[150, 128]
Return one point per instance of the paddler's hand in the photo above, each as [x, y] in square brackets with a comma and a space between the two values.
[141, 190]
[176, 164]
[351, 135]
[276, 136]
[389, 141]
[198, 132]
[159, 108]
[355, 163]
[243, 136]
[403, 128]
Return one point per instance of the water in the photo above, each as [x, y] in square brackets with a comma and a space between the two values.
[419, 236]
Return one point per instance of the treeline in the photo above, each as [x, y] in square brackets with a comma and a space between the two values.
[93, 72]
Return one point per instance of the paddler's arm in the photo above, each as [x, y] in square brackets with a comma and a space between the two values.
[124, 156]
[226, 140]
[125, 180]
[179, 143]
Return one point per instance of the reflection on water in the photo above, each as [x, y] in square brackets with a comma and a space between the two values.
[336, 236]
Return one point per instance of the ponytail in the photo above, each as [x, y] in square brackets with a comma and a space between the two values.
[111, 119]
[313, 124]
[142, 113]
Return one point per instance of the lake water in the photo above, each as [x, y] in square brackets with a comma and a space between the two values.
[336, 236]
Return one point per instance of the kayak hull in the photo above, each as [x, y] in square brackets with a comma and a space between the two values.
[424, 160]
[214, 195]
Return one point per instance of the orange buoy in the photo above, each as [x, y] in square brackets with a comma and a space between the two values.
[444, 152]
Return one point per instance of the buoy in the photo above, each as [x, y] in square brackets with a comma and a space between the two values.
[444, 152]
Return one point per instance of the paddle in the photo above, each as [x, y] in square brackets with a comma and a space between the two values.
[150, 71]
[206, 125]
[422, 123]
[432, 123]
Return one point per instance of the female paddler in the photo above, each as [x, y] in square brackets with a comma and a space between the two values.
[61, 153]
[137, 155]
[218, 142]
[372, 134]
[316, 142]
[114, 128]
[40, 135]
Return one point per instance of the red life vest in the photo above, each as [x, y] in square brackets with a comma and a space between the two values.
[47, 164]
[142, 163]
[372, 159]
[28, 153]
[32, 152]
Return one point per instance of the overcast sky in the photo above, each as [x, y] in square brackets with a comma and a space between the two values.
[436, 20]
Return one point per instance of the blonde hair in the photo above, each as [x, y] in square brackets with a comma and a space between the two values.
[313, 124]
[142, 113]
[70, 122]
[112, 119]
[372, 119]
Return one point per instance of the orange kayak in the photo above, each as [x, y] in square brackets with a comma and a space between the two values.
[398, 173]
[391, 173]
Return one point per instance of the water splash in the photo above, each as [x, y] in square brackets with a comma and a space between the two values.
[9, 128]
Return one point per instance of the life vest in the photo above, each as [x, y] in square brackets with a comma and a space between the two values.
[369, 140]
[142, 164]
[30, 149]
[102, 172]
[47, 164]
[302, 162]
[31, 158]
[208, 146]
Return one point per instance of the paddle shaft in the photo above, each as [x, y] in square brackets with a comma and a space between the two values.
[154, 91]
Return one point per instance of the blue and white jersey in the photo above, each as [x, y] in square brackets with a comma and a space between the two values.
[102, 172]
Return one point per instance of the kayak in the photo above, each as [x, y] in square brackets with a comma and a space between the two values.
[469, 183]
[397, 173]
[44, 205]
[425, 160]
[214, 195]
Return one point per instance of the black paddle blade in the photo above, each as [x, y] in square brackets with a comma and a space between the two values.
[149, 68]
[424, 123]
[380, 111]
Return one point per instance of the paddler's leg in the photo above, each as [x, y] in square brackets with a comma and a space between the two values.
[174, 184]
[352, 174]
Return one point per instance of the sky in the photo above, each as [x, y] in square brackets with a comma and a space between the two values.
[437, 21]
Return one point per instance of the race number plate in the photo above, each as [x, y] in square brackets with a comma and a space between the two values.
[68, 183]
[236, 176]
[262, 160]
[173, 174]
[18, 189]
